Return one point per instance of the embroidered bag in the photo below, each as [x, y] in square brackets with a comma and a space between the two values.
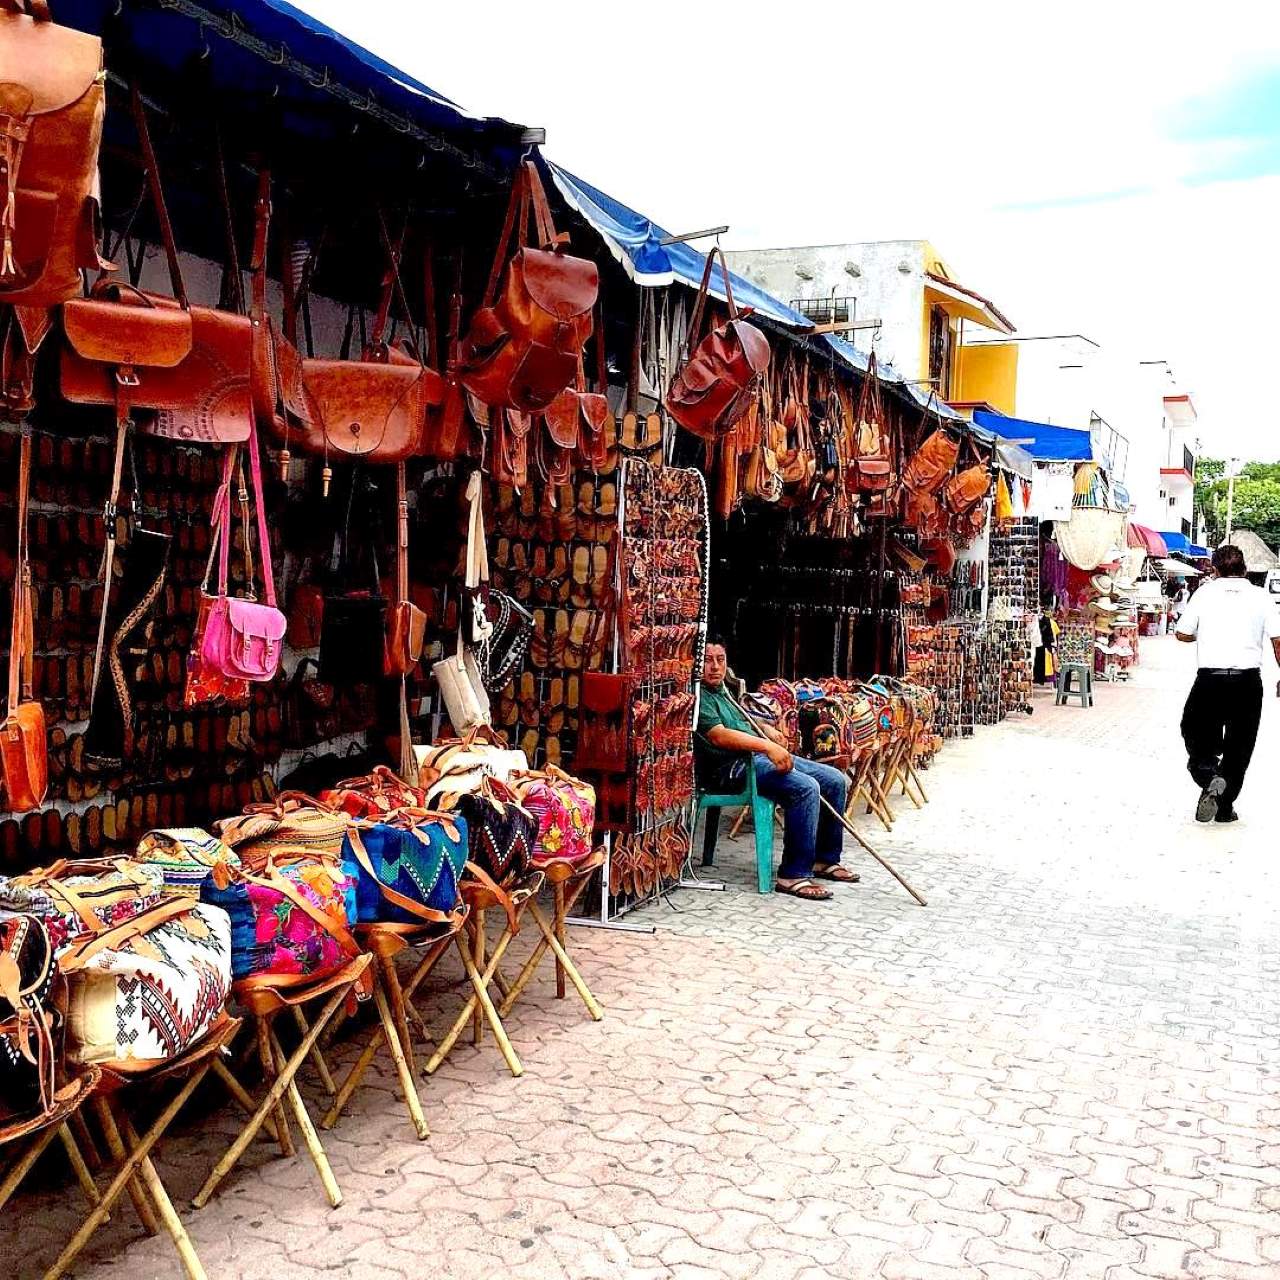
[374, 795]
[292, 821]
[185, 856]
[293, 919]
[406, 869]
[148, 989]
[501, 833]
[565, 808]
[461, 764]
[27, 1023]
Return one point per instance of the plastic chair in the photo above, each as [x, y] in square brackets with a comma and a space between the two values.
[1082, 690]
[762, 820]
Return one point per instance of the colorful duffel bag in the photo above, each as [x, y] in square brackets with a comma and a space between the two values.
[501, 832]
[291, 920]
[565, 808]
[406, 869]
[83, 897]
[461, 764]
[29, 1027]
[185, 856]
[291, 823]
[374, 795]
[148, 989]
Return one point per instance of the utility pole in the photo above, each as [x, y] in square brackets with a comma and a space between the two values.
[1231, 495]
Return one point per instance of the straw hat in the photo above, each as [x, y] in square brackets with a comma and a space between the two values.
[1102, 582]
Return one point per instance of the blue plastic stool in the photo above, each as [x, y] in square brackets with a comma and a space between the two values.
[761, 820]
[1083, 690]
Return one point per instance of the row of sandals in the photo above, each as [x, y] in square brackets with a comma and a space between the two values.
[117, 976]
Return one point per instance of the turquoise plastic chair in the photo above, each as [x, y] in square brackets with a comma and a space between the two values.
[761, 821]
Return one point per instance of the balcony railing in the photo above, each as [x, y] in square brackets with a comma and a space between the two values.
[1188, 462]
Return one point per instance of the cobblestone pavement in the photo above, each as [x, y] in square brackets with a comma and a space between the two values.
[1066, 1066]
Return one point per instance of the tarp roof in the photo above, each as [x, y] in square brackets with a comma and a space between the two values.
[1140, 536]
[269, 52]
[1043, 441]
[1180, 544]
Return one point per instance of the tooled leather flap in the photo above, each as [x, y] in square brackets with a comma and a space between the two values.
[561, 285]
[249, 618]
[356, 400]
[755, 346]
[595, 412]
[562, 419]
[48, 65]
[120, 334]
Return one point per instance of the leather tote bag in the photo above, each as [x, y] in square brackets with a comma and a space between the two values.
[52, 103]
[523, 345]
[928, 468]
[722, 375]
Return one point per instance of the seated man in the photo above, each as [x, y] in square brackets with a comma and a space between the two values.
[728, 744]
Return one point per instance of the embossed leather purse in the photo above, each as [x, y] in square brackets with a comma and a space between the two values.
[713, 389]
[522, 346]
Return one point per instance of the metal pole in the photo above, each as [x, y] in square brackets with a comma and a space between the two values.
[1231, 502]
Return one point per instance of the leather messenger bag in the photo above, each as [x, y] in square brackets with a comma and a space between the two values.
[52, 102]
[374, 408]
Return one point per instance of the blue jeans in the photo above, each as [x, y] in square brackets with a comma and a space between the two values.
[811, 833]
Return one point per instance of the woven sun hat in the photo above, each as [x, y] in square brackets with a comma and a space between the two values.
[1102, 582]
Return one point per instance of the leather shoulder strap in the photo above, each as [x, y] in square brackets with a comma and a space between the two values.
[19, 629]
[157, 197]
[415, 908]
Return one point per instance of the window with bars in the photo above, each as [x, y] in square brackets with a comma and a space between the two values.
[827, 310]
[941, 351]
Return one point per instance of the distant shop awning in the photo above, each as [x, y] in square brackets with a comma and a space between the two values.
[1014, 459]
[1180, 545]
[1148, 539]
[972, 306]
[1044, 442]
[1177, 569]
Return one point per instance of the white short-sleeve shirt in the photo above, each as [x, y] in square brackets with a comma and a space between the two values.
[1232, 621]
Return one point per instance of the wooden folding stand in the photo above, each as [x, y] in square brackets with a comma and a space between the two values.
[481, 965]
[263, 999]
[395, 1007]
[32, 1135]
[568, 882]
[135, 1171]
[864, 788]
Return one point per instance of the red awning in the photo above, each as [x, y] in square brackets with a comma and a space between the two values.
[1141, 536]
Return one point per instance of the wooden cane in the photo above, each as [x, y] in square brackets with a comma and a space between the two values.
[839, 817]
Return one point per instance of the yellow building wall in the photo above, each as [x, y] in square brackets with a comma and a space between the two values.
[990, 373]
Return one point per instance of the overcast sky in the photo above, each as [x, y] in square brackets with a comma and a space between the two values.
[1108, 169]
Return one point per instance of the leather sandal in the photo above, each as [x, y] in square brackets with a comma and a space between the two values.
[806, 890]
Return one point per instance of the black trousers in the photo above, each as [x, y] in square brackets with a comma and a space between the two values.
[1220, 727]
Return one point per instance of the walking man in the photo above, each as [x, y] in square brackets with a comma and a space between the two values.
[1230, 621]
[727, 745]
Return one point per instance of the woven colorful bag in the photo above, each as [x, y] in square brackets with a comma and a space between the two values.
[185, 856]
[374, 795]
[28, 1025]
[150, 988]
[292, 920]
[81, 898]
[406, 869]
[291, 822]
[565, 808]
[501, 833]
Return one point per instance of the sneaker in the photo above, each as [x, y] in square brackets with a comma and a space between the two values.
[1230, 816]
[1207, 807]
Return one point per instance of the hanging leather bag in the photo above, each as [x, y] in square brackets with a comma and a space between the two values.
[52, 103]
[243, 638]
[872, 470]
[23, 746]
[522, 346]
[406, 623]
[716, 384]
[28, 1025]
[928, 468]
[966, 488]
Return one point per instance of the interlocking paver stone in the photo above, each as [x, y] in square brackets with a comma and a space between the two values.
[1064, 1067]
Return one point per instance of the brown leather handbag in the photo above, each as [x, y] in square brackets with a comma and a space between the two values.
[522, 347]
[23, 746]
[52, 102]
[716, 385]
[928, 468]
[872, 469]
[406, 623]
[966, 489]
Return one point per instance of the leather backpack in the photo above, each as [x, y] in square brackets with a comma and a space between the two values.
[52, 103]
[872, 469]
[928, 468]
[966, 488]
[716, 385]
[23, 746]
[523, 345]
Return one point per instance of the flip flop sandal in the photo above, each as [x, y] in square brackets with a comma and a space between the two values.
[566, 518]
[528, 521]
[528, 696]
[508, 710]
[529, 744]
[554, 710]
[540, 640]
[577, 638]
[572, 688]
[580, 589]
[521, 578]
[600, 584]
[815, 893]
[849, 877]
[553, 751]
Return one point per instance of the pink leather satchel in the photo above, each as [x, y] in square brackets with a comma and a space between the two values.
[243, 638]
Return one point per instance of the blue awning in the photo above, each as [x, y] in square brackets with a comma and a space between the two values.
[1180, 544]
[1044, 442]
[269, 55]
